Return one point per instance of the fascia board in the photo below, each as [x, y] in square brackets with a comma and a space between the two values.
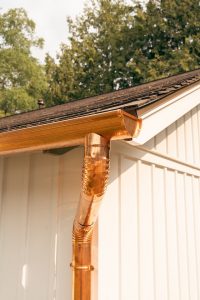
[167, 113]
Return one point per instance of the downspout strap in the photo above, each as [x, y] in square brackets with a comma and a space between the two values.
[82, 268]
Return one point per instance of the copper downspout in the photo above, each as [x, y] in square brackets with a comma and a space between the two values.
[94, 182]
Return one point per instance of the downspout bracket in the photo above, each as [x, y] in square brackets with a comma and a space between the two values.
[82, 268]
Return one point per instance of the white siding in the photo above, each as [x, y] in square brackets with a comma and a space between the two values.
[151, 217]
[149, 228]
[38, 199]
[181, 139]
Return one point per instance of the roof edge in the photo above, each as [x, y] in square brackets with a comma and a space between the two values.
[115, 125]
[161, 117]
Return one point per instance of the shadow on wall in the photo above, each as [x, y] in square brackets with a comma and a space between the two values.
[38, 200]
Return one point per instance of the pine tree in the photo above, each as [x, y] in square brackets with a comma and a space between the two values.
[115, 45]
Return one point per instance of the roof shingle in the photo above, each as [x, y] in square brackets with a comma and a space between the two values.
[129, 99]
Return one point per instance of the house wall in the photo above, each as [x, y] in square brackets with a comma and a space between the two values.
[38, 199]
[148, 238]
[181, 139]
[149, 226]
[149, 229]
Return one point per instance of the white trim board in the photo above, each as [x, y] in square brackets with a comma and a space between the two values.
[155, 158]
[161, 117]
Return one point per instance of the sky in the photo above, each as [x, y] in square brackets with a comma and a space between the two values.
[50, 18]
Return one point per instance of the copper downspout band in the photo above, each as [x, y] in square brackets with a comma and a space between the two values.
[94, 182]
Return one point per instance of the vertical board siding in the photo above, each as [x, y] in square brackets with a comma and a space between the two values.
[171, 224]
[196, 208]
[68, 181]
[193, 280]
[129, 224]
[149, 231]
[109, 258]
[146, 234]
[160, 237]
[13, 227]
[38, 199]
[181, 139]
[182, 237]
[41, 228]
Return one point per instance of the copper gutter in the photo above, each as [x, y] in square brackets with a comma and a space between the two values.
[94, 181]
[115, 124]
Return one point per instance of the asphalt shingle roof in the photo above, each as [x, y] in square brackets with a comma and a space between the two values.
[130, 100]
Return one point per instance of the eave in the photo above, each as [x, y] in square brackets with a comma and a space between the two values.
[116, 125]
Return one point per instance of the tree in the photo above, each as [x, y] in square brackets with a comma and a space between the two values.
[60, 79]
[22, 79]
[165, 38]
[94, 60]
[16, 100]
[114, 45]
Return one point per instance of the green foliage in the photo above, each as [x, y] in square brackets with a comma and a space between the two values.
[16, 100]
[60, 79]
[167, 35]
[114, 45]
[94, 60]
[22, 79]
